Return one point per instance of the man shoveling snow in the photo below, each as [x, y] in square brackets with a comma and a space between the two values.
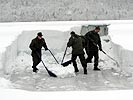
[77, 44]
[36, 45]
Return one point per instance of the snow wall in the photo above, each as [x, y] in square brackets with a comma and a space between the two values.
[56, 41]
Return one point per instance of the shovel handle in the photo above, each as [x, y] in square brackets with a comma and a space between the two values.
[111, 58]
[64, 55]
[104, 52]
[53, 56]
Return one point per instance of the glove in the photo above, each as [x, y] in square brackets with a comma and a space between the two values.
[68, 45]
[46, 49]
[100, 49]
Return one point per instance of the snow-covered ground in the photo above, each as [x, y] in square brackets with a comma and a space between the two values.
[7, 94]
[16, 62]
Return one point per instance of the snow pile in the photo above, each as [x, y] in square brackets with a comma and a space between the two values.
[58, 69]
[23, 64]
[61, 71]
[5, 84]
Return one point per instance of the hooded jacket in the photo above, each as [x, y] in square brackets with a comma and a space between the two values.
[77, 44]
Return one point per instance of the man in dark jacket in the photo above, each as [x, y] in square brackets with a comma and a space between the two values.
[93, 45]
[36, 45]
[77, 44]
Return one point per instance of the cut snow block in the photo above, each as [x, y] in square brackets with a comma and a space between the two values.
[61, 71]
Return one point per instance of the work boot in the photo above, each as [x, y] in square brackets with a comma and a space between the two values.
[76, 70]
[96, 69]
[85, 71]
[35, 70]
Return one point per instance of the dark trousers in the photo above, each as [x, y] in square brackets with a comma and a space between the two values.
[82, 60]
[36, 60]
[90, 56]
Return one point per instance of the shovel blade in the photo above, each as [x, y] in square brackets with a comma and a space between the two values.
[66, 63]
[51, 74]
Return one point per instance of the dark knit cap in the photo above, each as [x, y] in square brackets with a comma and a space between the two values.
[39, 34]
[97, 28]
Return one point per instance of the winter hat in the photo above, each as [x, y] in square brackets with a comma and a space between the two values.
[39, 34]
[97, 28]
[72, 33]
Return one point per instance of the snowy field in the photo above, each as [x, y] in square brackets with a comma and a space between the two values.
[16, 62]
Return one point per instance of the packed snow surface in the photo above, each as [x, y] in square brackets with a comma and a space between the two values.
[16, 60]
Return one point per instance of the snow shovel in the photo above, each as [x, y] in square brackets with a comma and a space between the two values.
[49, 72]
[67, 62]
[53, 56]
[111, 58]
